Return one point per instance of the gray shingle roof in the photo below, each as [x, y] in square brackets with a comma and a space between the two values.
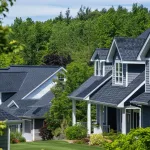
[129, 48]
[6, 116]
[36, 112]
[143, 98]
[115, 94]
[33, 76]
[101, 53]
[11, 81]
[89, 85]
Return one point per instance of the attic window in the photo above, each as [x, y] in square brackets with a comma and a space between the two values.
[118, 73]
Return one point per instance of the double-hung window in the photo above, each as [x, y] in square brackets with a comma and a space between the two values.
[101, 68]
[97, 65]
[118, 73]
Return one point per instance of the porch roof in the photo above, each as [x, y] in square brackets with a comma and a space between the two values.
[114, 95]
[142, 99]
[88, 86]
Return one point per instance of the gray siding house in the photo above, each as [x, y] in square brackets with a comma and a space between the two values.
[10, 120]
[120, 86]
[25, 92]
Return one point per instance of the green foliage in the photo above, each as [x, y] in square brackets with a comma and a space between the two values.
[138, 139]
[96, 139]
[3, 126]
[76, 132]
[16, 137]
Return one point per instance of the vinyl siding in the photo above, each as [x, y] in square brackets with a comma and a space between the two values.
[4, 140]
[145, 116]
[134, 70]
[147, 71]
[108, 67]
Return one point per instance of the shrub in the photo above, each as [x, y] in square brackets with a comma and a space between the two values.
[96, 139]
[75, 132]
[45, 133]
[138, 139]
[16, 137]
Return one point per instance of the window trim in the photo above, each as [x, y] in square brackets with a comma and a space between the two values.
[118, 83]
[97, 65]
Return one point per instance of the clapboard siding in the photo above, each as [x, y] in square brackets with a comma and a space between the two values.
[147, 71]
[4, 140]
[134, 70]
[145, 116]
[108, 67]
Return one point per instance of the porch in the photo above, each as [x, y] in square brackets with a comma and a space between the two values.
[107, 117]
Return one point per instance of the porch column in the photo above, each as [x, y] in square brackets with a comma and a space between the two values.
[19, 128]
[33, 130]
[89, 117]
[8, 142]
[100, 117]
[73, 112]
[123, 121]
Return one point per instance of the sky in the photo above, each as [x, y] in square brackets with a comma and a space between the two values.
[42, 10]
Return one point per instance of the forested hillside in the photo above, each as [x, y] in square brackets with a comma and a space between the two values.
[65, 39]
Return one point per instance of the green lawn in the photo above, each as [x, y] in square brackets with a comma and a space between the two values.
[52, 145]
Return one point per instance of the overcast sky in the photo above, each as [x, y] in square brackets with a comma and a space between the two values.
[42, 10]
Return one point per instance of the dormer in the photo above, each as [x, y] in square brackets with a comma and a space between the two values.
[123, 55]
[101, 67]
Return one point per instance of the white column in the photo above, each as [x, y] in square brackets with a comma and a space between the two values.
[8, 138]
[73, 112]
[33, 130]
[19, 127]
[89, 117]
[123, 121]
[0, 98]
[140, 117]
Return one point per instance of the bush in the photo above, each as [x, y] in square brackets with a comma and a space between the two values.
[75, 132]
[96, 139]
[45, 133]
[16, 137]
[138, 139]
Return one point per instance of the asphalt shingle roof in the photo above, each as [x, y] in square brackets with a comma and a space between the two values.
[115, 94]
[129, 48]
[31, 76]
[89, 85]
[145, 34]
[101, 53]
[142, 98]
[11, 81]
[6, 116]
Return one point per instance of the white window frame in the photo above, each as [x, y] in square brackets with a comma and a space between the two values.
[101, 67]
[120, 64]
[97, 64]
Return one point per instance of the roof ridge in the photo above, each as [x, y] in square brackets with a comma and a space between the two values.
[38, 66]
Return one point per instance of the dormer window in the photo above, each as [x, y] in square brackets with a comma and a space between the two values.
[99, 68]
[118, 73]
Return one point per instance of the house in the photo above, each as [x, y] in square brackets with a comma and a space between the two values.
[25, 93]
[120, 86]
[10, 120]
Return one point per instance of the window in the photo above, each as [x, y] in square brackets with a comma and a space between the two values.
[99, 66]
[118, 73]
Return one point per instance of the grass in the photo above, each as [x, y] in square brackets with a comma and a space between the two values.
[52, 145]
